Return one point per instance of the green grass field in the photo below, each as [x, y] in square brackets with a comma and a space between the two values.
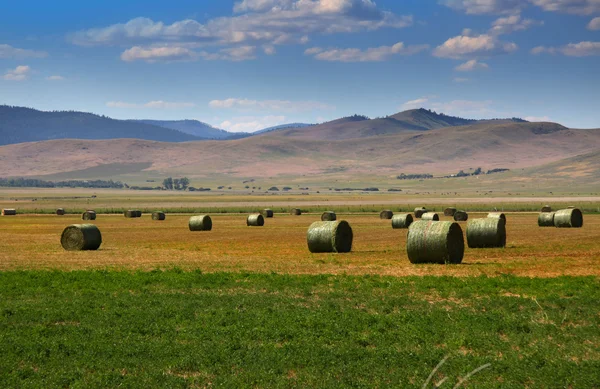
[191, 330]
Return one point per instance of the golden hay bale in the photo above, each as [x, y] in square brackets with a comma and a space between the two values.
[130, 213]
[328, 216]
[386, 214]
[450, 211]
[419, 212]
[461, 216]
[158, 215]
[296, 212]
[487, 232]
[200, 223]
[60, 211]
[329, 237]
[435, 242]
[546, 219]
[255, 220]
[497, 215]
[430, 216]
[267, 212]
[9, 212]
[402, 220]
[89, 215]
[568, 218]
[81, 237]
[546, 208]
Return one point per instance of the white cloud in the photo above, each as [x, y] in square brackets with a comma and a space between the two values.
[55, 78]
[495, 7]
[512, 23]
[414, 104]
[7, 51]
[463, 45]
[20, 73]
[269, 105]
[373, 54]
[156, 104]
[579, 7]
[251, 123]
[537, 119]
[153, 54]
[594, 24]
[581, 49]
[462, 108]
[269, 50]
[471, 65]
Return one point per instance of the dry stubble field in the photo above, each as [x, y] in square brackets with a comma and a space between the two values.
[33, 242]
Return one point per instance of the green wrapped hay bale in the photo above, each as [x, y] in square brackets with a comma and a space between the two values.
[497, 215]
[546, 208]
[130, 213]
[296, 212]
[158, 215]
[267, 212]
[461, 216]
[138, 213]
[402, 220]
[386, 214]
[329, 237]
[546, 219]
[89, 215]
[419, 212]
[568, 218]
[255, 220]
[200, 223]
[487, 232]
[78, 237]
[430, 216]
[9, 212]
[450, 211]
[328, 216]
[435, 242]
[60, 211]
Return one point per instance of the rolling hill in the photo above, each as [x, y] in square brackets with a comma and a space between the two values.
[192, 127]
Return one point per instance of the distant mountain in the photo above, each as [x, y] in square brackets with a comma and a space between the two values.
[282, 127]
[18, 125]
[192, 127]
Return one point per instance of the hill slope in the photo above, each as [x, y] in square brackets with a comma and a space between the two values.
[192, 127]
[19, 125]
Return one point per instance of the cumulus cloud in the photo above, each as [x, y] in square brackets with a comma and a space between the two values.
[55, 78]
[373, 54]
[465, 45]
[20, 73]
[463, 108]
[471, 65]
[480, 7]
[594, 24]
[578, 7]
[269, 105]
[581, 49]
[154, 54]
[416, 103]
[156, 104]
[512, 23]
[537, 118]
[251, 123]
[7, 51]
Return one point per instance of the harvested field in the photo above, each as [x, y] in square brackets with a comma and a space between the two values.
[33, 242]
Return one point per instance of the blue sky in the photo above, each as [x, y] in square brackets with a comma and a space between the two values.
[246, 65]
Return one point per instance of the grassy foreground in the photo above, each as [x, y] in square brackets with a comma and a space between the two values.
[188, 329]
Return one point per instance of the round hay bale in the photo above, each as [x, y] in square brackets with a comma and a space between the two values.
[328, 216]
[9, 212]
[138, 213]
[329, 237]
[81, 237]
[296, 212]
[386, 214]
[402, 220]
[60, 211]
[267, 212]
[419, 212]
[546, 208]
[158, 215]
[487, 232]
[568, 218]
[546, 219]
[450, 211]
[200, 223]
[89, 215]
[255, 220]
[430, 216]
[435, 242]
[130, 213]
[461, 216]
[497, 215]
